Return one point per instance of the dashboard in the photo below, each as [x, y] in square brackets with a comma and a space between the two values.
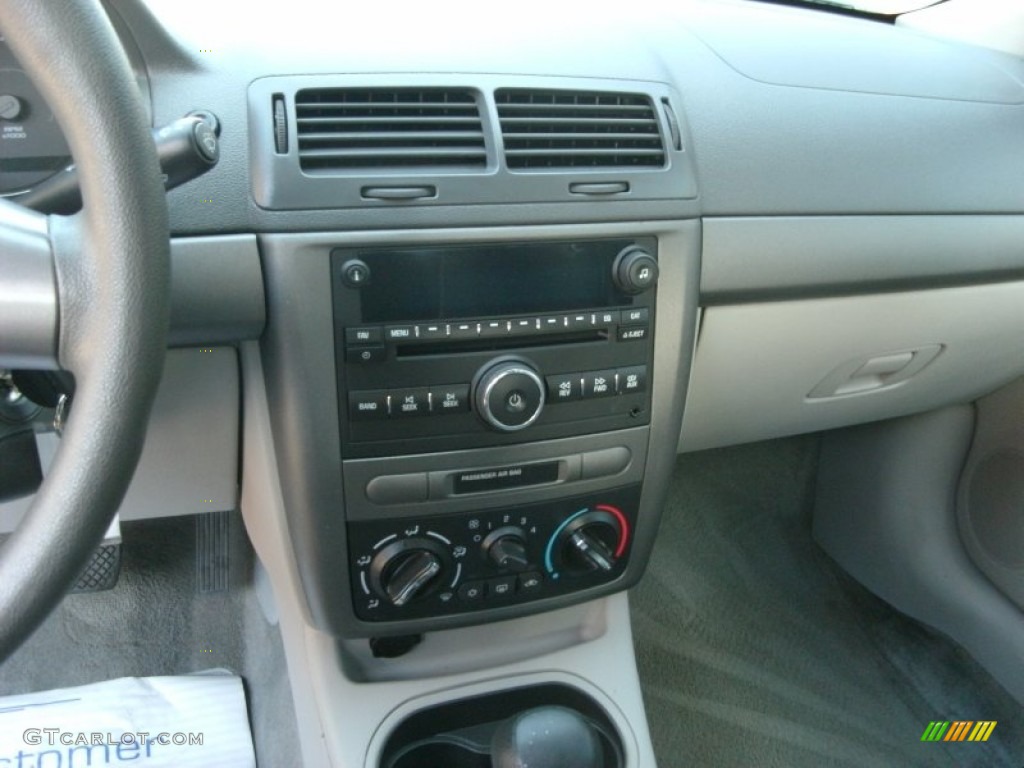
[491, 278]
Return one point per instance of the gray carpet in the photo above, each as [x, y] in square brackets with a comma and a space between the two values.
[155, 623]
[754, 649]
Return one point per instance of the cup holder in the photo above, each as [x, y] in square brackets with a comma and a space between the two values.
[459, 734]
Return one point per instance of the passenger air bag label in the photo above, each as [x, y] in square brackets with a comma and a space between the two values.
[498, 478]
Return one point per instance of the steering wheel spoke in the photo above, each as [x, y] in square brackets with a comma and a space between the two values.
[28, 291]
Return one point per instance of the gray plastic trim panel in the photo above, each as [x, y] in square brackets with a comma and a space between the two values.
[886, 511]
[189, 462]
[752, 258]
[360, 472]
[216, 290]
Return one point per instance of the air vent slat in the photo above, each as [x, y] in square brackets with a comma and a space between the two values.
[548, 129]
[314, 121]
[385, 152]
[353, 128]
[562, 122]
[650, 138]
[555, 152]
[575, 109]
[401, 137]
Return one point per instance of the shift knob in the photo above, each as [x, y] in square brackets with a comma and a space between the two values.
[546, 737]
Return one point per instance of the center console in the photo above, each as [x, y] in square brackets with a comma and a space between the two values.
[471, 472]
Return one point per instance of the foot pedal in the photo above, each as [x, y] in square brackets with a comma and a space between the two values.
[212, 562]
[102, 571]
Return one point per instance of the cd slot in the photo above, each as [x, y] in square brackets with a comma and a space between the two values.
[455, 346]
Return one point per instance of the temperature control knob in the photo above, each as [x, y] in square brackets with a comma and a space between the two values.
[588, 549]
[407, 570]
[509, 395]
[591, 540]
[635, 270]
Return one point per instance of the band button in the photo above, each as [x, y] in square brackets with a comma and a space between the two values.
[367, 406]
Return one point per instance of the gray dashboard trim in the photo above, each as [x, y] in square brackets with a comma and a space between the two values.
[757, 258]
[820, 147]
[216, 290]
[875, 58]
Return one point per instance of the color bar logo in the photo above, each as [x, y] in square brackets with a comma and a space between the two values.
[959, 730]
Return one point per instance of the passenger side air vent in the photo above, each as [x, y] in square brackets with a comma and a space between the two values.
[391, 128]
[545, 129]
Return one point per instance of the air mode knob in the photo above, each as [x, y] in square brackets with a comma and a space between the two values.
[407, 570]
[634, 270]
[509, 395]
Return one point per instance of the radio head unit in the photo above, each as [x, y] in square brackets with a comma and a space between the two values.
[463, 346]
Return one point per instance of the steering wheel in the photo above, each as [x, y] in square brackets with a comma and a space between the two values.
[88, 293]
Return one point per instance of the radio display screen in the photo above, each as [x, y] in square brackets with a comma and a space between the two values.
[463, 281]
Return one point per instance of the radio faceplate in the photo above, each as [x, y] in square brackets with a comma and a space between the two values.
[419, 333]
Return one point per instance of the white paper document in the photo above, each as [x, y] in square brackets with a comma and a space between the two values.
[195, 721]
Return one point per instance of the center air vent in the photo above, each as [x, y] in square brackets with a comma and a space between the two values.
[393, 128]
[546, 129]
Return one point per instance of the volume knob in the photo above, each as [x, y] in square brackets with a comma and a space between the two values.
[509, 396]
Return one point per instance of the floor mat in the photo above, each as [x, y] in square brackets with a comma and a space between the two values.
[156, 621]
[754, 649]
[187, 721]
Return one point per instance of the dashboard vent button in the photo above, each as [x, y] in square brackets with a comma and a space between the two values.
[545, 129]
[391, 128]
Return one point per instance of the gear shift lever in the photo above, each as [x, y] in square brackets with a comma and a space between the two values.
[546, 737]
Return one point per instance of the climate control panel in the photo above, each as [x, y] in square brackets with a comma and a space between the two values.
[449, 564]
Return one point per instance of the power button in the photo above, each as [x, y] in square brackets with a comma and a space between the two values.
[515, 402]
[509, 396]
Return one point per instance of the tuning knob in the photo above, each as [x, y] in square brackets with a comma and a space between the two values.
[634, 270]
[509, 395]
[407, 570]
